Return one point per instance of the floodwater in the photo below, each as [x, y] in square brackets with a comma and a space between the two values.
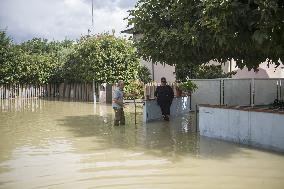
[60, 144]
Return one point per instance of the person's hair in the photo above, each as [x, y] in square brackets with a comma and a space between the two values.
[163, 78]
[119, 82]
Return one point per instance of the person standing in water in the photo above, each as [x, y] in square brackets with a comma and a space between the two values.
[164, 94]
[117, 103]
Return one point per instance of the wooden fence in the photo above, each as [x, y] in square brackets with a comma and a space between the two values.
[78, 91]
[22, 105]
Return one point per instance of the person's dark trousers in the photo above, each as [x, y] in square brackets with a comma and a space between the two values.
[165, 109]
[119, 117]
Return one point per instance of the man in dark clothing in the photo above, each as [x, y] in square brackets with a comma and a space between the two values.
[164, 94]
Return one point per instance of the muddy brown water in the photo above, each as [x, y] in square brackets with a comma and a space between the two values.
[63, 144]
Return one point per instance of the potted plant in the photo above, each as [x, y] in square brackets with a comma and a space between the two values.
[187, 87]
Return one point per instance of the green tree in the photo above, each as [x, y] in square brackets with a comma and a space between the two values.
[5, 55]
[46, 59]
[186, 72]
[192, 32]
[103, 58]
[250, 31]
[212, 72]
[10, 60]
[38, 69]
[36, 61]
[144, 74]
[36, 46]
[165, 26]
[135, 87]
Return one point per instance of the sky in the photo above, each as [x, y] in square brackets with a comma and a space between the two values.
[61, 19]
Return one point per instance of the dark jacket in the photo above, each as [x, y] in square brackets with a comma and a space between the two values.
[164, 94]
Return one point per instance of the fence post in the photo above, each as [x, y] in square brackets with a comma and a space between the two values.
[145, 91]
[54, 90]
[28, 91]
[82, 91]
[69, 92]
[77, 91]
[6, 92]
[280, 88]
[94, 92]
[31, 89]
[18, 90]
[277, 89]
[22, 91]
[252, 91]
[64, 90]
[221, 91]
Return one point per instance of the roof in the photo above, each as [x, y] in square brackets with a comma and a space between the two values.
[129, 31]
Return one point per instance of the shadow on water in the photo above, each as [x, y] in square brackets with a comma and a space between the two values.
[172, 139]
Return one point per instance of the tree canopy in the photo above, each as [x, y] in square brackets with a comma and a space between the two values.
[205, 71]
[35, 61]
[103, 58]
[192, 32]
[144, 74]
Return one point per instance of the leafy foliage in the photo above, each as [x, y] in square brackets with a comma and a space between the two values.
[144, 74]
[187, 86]
[135, 87]
[6, 57]
[193, 32]
[250, 31]
[204, 71]
[36, 61]
[103, 58]
[47, 58]
[212, 72]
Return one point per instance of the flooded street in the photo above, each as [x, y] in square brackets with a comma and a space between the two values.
[61, 144]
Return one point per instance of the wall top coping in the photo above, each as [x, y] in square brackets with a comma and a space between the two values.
[245, 108]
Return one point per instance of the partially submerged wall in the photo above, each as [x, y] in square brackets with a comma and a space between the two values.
[256, 128]
[151, 110]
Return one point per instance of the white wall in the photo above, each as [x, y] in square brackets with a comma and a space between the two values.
[264, 71]
[160, 71]
[208, 92]
[259, 129]
[265, 91]
[282, 89]
[152, 111]
[237, 91]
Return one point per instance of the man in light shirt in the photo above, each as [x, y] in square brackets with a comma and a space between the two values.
[117, 104]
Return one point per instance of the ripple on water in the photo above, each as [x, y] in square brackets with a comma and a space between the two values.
[57, 144]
